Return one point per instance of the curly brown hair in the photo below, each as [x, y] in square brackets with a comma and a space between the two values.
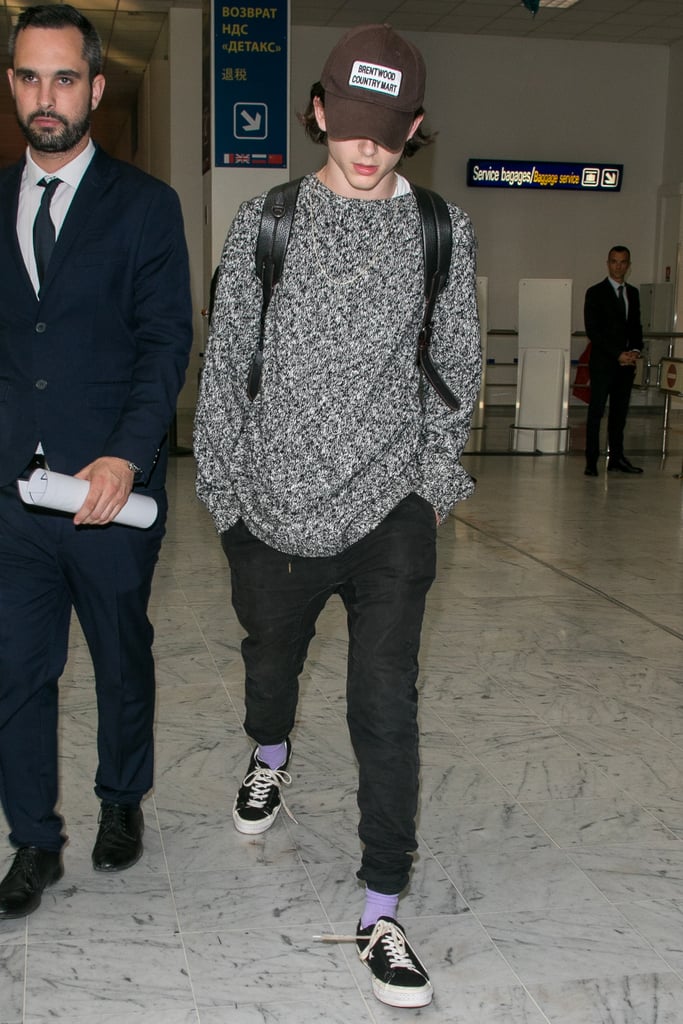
[316, 134]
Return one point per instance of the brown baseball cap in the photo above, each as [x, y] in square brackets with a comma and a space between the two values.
[374, 81]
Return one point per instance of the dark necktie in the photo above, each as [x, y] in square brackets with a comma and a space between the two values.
[622, 300]
[43, 228]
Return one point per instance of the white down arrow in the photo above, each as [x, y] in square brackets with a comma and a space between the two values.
[251, 124]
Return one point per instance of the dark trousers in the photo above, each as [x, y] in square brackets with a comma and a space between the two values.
[613, 382]
[48, 566]
[383, 581]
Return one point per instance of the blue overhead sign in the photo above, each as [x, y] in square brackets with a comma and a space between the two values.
[549, 176]
[250, 85]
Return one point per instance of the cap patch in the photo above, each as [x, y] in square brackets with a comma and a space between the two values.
[376, 78]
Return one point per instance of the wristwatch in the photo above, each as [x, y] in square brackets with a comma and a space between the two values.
[133, 468]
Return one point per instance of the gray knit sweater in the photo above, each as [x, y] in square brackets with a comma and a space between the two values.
[343, 427]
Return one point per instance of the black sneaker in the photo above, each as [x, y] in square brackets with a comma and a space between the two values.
[259, 800]
[398, 977]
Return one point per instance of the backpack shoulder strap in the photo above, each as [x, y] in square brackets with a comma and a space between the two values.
[437, 238]
[271, 246]
[437, 243]
[276, 223]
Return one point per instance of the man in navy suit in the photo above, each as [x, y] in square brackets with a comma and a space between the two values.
[95, 332]
[612, 318]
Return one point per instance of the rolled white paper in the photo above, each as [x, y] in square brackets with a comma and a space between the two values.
[67, 494]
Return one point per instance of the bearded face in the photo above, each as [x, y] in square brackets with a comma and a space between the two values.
[49, 132]
[53, 92]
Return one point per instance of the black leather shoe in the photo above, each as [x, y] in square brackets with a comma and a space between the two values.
[622, 465]
[22, 887]
[590, 471]
[119, 840]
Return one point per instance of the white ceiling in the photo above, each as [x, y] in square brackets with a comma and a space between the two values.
[131, 28]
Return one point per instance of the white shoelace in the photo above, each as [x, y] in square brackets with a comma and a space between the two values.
[392, 939]
[261, 780]
[393, 943]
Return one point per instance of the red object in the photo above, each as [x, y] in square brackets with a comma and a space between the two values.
[582, 381]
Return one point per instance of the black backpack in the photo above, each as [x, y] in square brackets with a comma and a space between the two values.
[437, 242]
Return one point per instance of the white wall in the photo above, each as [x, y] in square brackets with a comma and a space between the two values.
[673, 149]
[531, 99]
[185, 158]
[670, 238]
[170, 98]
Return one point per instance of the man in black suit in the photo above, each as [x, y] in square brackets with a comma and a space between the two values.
[95, 332]
[612, 318]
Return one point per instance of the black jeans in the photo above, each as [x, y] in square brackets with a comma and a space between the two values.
[383, 581]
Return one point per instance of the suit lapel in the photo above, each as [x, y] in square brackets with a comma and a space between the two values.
[95, 182]
[632, 297]
[9, 204]
[611, 295]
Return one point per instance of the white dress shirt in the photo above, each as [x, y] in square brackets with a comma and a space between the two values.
[617, 286]
[31, 193]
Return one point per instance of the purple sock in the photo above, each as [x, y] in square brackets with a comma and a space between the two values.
[274, 756]
[378, 904]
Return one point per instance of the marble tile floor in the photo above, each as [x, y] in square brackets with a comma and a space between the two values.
[549, 883]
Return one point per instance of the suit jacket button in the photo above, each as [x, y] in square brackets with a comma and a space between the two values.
[41, 328]
[41, 384]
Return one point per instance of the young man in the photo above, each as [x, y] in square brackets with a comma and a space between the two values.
[334, 478]
[95, 331]
[612, 318]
